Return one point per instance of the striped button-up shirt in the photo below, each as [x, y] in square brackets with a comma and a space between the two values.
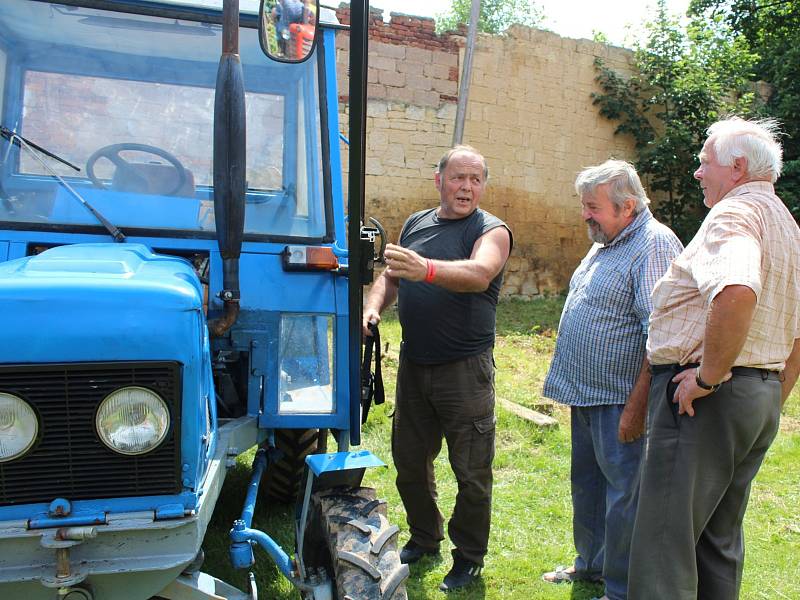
[601, 336]
[748, 238]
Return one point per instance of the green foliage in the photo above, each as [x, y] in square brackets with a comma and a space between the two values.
[495, 17]
[686, 78]
[773, 31]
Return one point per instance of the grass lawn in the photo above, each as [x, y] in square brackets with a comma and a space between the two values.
[532, 515]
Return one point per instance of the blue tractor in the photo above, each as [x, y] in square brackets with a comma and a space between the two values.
[180, 282]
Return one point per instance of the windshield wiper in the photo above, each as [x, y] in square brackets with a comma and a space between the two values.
[14, 138]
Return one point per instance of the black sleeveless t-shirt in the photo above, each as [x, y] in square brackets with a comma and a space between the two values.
[438, 325]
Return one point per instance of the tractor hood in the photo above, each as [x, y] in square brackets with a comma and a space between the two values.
[100, 302]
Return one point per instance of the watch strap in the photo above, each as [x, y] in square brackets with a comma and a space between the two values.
[703, 385]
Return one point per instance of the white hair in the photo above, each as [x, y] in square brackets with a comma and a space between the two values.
[623, 179]
[756, 141]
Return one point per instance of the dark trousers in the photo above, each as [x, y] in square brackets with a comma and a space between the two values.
[695, 483]
[455, 401]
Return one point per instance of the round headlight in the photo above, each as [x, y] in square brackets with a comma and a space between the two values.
[18, 427]
[132, 420]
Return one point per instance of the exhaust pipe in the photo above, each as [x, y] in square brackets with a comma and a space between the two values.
[230, 162]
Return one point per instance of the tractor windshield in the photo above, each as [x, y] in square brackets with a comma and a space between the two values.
[128, 99]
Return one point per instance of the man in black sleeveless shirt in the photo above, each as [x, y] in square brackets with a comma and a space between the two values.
[446, 274]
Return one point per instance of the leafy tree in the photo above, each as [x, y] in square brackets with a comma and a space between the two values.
[495, 17]
[684, 80]
[772, 28]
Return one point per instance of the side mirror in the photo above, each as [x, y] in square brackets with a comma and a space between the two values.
[287, 28]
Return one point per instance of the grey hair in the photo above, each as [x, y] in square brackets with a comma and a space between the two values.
[462, 148]
[623, 179]
[755, 140]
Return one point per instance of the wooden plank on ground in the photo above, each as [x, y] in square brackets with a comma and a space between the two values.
[533, 416]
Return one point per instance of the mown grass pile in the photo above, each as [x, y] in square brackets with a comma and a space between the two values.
[532, 515]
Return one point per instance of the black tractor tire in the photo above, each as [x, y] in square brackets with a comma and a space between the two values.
[283, 477]
[349, 535]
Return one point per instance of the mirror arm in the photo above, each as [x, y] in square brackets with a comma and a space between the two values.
[230, 28]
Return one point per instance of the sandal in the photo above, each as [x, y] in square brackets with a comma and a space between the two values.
[568, 574]
[560, 575]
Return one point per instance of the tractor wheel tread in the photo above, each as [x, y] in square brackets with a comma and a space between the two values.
[360, 562]
[360, 552]
[372, 505]
[393, 581]
[384, 537]
[362, 527]
[283, 477]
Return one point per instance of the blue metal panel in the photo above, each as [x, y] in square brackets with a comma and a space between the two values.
[266, 286]
[17, 250]
[342, 461]
[3, 251]
[78, 519]
[188, 500]
[100, 302]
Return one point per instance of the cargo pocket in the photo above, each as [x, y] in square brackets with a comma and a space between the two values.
[481, 450]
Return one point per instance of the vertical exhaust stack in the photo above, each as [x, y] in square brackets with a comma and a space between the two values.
[230, 161]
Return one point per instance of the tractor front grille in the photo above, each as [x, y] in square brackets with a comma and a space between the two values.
[68, 459]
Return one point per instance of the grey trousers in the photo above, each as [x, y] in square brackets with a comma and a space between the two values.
[695, 483]
[456, 401]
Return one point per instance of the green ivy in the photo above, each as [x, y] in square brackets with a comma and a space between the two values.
[772, 28]
[685, 79]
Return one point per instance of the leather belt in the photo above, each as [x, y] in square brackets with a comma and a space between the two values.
[737, 371]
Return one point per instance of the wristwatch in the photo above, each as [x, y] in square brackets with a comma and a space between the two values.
[703, 385]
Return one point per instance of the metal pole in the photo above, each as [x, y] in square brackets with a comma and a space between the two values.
[466, 73]
[359, 35]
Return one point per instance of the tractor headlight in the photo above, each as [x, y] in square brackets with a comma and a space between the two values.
[132, 420]
[19, 427]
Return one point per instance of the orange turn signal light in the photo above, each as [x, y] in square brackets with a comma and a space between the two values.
[309, 258]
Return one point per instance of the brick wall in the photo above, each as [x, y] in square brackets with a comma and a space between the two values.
[530, 113]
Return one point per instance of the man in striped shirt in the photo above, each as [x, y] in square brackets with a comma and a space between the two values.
[599, 368]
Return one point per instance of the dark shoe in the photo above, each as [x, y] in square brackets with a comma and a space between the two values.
[461, 574]
[412, 552]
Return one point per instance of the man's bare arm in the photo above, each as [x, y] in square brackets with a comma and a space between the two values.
[382, 294]
[727, 326]
[474, 274]
[632, 419]
[790, 372]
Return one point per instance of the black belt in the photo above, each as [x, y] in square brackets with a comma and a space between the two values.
[737, 371]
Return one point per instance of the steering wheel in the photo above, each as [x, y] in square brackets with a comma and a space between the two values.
[129, 170]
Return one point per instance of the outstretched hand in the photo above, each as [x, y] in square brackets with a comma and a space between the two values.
[404, 263]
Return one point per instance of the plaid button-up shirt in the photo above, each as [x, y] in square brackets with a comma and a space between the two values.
[602, 333]
[748, 238]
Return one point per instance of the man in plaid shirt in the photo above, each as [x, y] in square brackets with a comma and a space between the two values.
[724, 346]
[600, 370]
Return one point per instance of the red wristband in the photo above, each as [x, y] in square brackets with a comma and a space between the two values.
[431, 271]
